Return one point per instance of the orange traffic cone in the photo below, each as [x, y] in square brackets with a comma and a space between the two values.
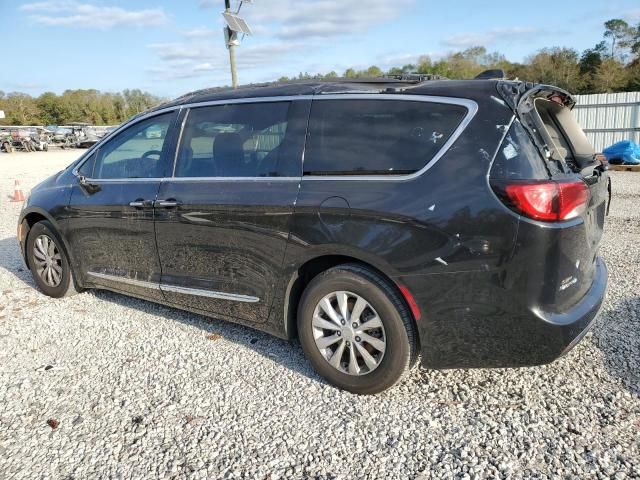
[18, 196]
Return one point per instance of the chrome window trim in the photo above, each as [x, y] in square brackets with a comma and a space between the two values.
[175, 289]
[209, 293]
[124, 180]
[470, 105]
[85, 156]
[231, 179]
[214, 103]
[178, 142]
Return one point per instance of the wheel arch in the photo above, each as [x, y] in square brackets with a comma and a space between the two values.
[34, 215]
[311, 268]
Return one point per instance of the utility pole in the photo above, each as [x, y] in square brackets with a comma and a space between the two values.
[231, 46]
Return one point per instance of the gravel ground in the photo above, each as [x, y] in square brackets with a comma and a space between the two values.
[104, 386]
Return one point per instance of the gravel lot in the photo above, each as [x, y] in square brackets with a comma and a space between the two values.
[104, 386]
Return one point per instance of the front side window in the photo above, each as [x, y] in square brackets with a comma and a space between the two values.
[136, 152]
[373, 137]
[236, 140]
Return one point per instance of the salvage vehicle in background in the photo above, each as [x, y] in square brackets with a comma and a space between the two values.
[41, 138]
[62, 137]
[6, 141]
[24, 138]
[378, 221]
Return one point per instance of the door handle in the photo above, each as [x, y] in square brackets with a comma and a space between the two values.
[166, 203]
[139, 203]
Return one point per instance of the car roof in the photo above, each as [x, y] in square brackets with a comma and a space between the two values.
[447, 88]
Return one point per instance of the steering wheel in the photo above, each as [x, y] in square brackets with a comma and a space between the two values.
[152, 152]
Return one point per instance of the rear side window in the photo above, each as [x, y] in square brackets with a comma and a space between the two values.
[236, 140]
[358, 137]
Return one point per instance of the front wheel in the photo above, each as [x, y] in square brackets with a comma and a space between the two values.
[356, 330]
[48, 261]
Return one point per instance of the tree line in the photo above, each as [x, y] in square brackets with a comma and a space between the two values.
[612, 65]
[91, 106]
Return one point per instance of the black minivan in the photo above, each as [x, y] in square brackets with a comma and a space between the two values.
[377, 221]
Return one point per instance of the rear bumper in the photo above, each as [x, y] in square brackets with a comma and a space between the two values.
[576, 323]
[481, 335]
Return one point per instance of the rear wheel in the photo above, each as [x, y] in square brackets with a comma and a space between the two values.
[48, 261]
[356, 330]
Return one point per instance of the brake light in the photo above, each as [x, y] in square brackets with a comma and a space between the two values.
[548, 200]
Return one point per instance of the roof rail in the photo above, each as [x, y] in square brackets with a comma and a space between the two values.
[415, 77]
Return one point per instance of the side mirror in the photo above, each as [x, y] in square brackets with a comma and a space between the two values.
[88, 186]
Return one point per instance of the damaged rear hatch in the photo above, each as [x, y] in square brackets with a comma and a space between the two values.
[568, 260]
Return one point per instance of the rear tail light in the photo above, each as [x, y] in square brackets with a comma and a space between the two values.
[548, 201]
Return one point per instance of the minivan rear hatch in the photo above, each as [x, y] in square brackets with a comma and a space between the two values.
[568, 156]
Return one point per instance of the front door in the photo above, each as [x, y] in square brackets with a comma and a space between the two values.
[222, 220]
[110, 223]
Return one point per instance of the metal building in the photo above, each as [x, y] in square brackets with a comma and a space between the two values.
[608, 118]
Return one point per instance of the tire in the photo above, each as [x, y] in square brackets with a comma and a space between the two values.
[61, 283]
[383, 368]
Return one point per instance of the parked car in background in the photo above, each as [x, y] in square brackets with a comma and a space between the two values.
[379, 222]
[155, 132]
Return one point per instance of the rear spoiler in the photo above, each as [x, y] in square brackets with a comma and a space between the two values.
[493, 74]
[514, 93]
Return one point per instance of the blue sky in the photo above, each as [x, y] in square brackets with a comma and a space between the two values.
[171, 47]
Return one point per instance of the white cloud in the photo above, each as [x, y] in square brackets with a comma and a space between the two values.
[208, 3]
[283, 30]
[510, 34]
[632, 15]
[317, 18]
[197, 59]
[87, 15]
[201, 32]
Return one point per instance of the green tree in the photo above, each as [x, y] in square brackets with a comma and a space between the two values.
[425, 65]
[51, 112]
[20, 109]
[350, 73]
[590, 62]
[610, 76]
[620, 34]
[373, 71]
[556, 66]
[633, 75]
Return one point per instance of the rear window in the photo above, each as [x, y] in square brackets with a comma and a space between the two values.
[356, 137]
[564, 135]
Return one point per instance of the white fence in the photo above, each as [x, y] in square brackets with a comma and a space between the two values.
[608, 118]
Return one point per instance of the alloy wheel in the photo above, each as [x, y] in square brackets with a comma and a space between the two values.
[349, 333]
[48, 261]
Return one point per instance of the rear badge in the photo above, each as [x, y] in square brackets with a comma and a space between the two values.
[567, 282]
